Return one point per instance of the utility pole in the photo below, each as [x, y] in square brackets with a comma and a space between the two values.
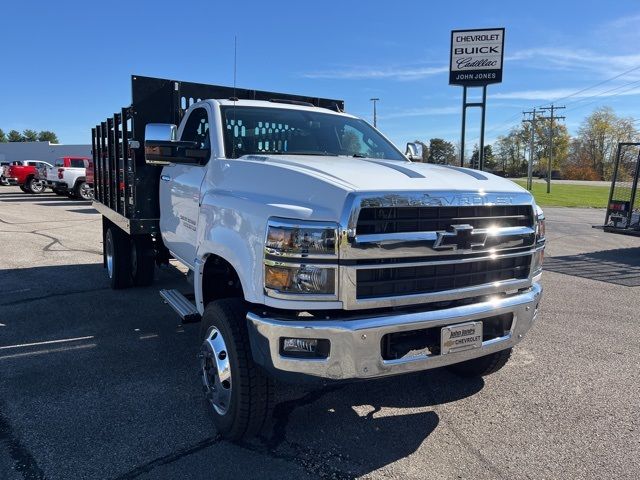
[551, 118]
[532, 121]
[375, 115]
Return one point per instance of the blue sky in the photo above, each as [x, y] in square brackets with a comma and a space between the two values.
[67, 65]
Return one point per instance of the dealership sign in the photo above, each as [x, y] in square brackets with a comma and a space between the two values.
[476, 57]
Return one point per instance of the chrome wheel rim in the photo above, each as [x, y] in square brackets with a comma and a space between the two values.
[36, 186]
[216, 371]
[85, 192]
[109, 249]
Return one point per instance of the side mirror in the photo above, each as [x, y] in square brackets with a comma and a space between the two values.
[161, 147]
[414, 151]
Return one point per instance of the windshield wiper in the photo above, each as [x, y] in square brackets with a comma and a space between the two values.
[360, 155]
[321, 154]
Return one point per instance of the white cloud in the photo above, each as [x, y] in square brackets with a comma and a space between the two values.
[395, 73]
[420, 112]
[556, 93]
[563, 58]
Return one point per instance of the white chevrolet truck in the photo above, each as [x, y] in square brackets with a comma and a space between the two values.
[316, 249]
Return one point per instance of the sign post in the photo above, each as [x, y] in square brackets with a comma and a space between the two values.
[476, 61]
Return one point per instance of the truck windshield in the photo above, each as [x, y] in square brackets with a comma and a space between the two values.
[286, 131]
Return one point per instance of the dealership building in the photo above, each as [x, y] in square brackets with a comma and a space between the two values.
[46, 151]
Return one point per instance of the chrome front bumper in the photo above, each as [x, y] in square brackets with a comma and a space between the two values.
[355, 344]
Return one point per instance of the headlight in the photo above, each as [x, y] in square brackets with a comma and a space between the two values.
[538, 256]
[540, 225]
[300, 240]
[290, 250]
[296, 279]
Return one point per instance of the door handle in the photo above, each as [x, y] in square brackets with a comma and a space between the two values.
[165, 178]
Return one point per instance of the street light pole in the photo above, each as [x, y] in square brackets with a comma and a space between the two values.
[375, 115]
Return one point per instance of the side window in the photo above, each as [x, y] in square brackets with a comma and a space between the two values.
[77, 163]
[197, 128]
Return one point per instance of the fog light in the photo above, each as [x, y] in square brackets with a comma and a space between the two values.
[306, 345]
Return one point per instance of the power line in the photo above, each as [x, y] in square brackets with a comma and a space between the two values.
[597, 100]
[600, 94]
[597, 84]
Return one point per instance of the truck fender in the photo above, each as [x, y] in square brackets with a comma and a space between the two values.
[232, 247]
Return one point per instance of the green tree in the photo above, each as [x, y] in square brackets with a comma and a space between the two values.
[15, 136]
[441, 152]
[561, 142]
[599, 136]
[47, 136]
[30, 135]
[3, 136]
[489, 161]
[509, 153]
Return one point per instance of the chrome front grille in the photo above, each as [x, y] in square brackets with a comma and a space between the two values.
[430, 278]
[389, 220]
[419, 248]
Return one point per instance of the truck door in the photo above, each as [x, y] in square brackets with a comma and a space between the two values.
[180, 192]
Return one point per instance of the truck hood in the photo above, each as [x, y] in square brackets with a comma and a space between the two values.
[369, 174]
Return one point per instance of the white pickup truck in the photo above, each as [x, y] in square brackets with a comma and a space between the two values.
[316, 249]
[68, 176]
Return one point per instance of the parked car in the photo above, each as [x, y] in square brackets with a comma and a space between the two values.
[311, 255]
[24, 173]
[3, 181]
[68, 176]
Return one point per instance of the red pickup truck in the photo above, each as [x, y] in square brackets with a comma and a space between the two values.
[24, 174]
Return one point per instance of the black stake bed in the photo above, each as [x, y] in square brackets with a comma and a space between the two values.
[126, 188]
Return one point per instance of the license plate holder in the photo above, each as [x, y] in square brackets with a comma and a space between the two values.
[460, 337]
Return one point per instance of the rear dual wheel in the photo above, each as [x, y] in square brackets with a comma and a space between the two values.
[129, 260]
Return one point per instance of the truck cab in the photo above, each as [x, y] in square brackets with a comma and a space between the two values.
[317, 249]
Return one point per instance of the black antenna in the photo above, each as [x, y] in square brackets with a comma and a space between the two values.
[235, 98]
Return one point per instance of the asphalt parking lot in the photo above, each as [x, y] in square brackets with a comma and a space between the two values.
[102, 384]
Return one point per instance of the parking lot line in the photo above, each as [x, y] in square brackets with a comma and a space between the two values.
[6, 347]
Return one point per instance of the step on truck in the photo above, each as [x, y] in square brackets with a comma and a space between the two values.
[317, 250]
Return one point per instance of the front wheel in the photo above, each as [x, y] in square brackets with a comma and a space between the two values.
[482, 366]
[238, 393]
[35, 186]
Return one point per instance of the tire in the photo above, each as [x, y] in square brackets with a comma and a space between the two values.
[34, 186]
[82, 190]
[118, 258]
[241, 410]
[142, 260]
[482, 366]
[24, 189]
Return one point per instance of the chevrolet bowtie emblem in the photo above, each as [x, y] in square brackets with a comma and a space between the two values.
[460, 237]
